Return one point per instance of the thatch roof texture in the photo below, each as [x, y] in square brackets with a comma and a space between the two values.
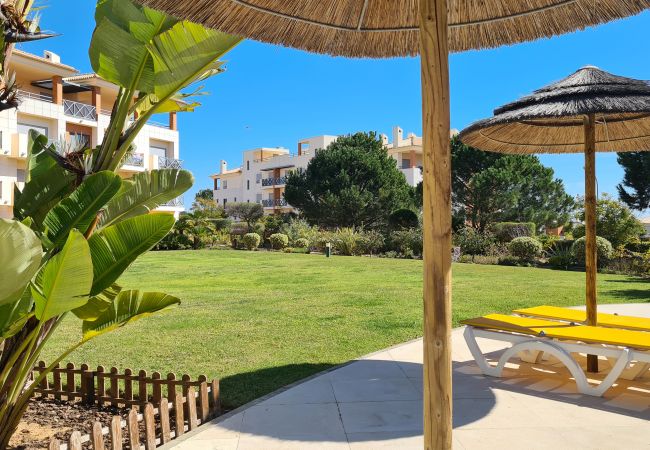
[385, 28]
[551, 119]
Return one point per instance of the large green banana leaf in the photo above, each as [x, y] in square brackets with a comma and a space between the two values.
[47, 183]
[160, 54]
[128, 307]
[20, 257]
[14, 315]
[64, 283]
[114, 248]
[98, 304]
[144, 192]
[80, 208]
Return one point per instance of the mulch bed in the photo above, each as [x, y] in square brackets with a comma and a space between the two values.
[47, 418]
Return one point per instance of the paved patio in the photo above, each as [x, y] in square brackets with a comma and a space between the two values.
[376, 402]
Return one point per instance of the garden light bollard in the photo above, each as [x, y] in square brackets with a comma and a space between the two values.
[328, 249]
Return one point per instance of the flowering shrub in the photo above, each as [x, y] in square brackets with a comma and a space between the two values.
[251, 240]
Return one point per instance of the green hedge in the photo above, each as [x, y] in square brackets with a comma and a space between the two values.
[638, 247]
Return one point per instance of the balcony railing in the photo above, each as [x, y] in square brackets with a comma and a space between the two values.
[279, 181]
[135, 159]
[34, 96]
[175, 202]
[169, 163]
[158, 124]
[80, 110]
[273, 202]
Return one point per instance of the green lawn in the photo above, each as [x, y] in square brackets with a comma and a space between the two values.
[260, 320]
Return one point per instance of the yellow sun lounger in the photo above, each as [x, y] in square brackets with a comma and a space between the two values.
[575, 315]
[533, 336]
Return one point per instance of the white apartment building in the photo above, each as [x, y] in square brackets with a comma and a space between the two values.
[61, 103]
[263, 174]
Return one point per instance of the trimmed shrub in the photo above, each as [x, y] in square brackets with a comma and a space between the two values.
[403, 218]
[507, 231]
[301, 243]
[604, 250]
[407, 242]
[472, 241]
[526, 248]
[288, 250]
[509, 261]
[278, 241]
[251, 240]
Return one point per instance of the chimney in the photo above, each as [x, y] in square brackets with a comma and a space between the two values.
[224, 166]
[384, 140]
[398, 134]
[52, 57]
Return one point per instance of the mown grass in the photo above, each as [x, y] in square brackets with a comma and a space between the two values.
[260, 320]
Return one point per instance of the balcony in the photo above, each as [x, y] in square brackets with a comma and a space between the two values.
[279, 181]
[79, 110]
[34, 96]
[274, 202]
[169, 163]
[134, 160]
[153, 123]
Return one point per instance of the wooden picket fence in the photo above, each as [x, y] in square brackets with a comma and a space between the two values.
[161, 418]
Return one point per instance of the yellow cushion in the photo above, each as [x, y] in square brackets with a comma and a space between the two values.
[562, 330]
[575, 315]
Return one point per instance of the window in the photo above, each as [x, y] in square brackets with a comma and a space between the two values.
[80, 140]
[0, 189]
[216, 184]
[224, 183]
[224, 202]
[23, 128]
[20, 175]
[248, 165]
[235, 200]
[406, 163]
[258, 198]
[158, 151]
[248, 184]
[258, 178]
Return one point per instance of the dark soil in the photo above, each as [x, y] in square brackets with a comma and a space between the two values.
[48, 418]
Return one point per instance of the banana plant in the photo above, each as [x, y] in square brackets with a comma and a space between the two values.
[77, 225]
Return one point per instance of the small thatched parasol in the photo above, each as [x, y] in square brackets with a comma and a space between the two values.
[385, 28]
[589, 111]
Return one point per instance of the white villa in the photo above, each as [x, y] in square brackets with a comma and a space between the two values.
[61, 103]
[263, 175]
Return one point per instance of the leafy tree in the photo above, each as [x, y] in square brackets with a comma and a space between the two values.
[250, 213]
[77, 225]
[614, 221]
[353, 183]
[204, 194]
[634, 191]
[207, 208]
[490, 187]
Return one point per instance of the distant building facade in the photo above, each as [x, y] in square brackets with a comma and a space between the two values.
[262, 176]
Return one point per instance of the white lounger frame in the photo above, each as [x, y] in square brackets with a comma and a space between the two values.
[532, 348]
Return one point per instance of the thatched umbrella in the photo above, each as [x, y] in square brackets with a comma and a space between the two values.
[589, 111]
[386, 28]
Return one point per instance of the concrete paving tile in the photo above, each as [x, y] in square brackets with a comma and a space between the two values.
[315, 420]
[228, 428]
[367, 370]
[628, 438]
[212, 444]
[385, 440]
[363, 417]
[529, 438]
[347, 391]
[318, 390]
[252, 442]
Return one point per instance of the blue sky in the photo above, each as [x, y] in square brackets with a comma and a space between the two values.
[273, 96]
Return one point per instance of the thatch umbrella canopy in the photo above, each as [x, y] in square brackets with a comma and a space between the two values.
[589, 111]
[386, 28]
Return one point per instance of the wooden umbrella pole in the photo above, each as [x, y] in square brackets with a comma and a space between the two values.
[591, 253]
[434, 56]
